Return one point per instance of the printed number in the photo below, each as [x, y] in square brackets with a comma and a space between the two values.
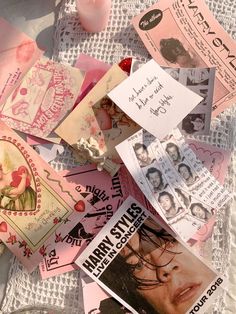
[214, 287]
[219, 281]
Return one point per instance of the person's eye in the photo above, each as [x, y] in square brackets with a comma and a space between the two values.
[139, 265]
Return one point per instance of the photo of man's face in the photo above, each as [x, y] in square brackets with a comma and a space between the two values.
[199, 211]
[173, 278]
[173, 151]
[155, 179]
[142, 154]
[198, 124]
[154, 176]
[184, 172]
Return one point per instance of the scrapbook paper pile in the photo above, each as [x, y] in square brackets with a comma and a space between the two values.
[134, 228]
[106, 194]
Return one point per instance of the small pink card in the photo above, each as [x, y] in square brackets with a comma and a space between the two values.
[44, 97]
[33, 140]
[215, 159]
[94, 71]
[34, 200]
[106, 194]
[18, 53]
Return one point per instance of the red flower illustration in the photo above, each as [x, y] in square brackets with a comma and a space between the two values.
[11, 239]
[56, 220]
[22, 243]
[58, 238]
[27, 252]
[42, 250]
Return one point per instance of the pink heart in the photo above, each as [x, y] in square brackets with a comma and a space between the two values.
[3, 226]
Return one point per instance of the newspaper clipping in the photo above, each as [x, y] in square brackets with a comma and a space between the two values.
[184, 33]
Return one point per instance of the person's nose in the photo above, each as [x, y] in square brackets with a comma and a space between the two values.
[165, 272]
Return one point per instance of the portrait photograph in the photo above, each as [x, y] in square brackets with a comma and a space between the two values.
[194, 123]
[155, 179]
[173, 46]
[201, 211]
[169, 204]
[156, 274]
[173, 152]
[187, 174]
[143, 154]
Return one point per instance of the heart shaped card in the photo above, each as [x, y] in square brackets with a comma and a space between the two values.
[34, 200]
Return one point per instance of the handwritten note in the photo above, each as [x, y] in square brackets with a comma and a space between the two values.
[154, 100]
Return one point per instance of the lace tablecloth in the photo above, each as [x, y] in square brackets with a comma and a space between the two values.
[119, 40]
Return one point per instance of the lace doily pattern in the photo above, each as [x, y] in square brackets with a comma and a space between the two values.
[118, 41]
[28, 292]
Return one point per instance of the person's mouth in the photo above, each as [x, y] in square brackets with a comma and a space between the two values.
[186, 292]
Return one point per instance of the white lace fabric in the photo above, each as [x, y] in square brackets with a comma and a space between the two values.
[119, 40]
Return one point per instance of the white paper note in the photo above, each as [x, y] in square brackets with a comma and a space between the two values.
[154, 100]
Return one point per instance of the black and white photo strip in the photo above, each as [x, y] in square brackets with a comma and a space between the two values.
[174, 202]
[201, 81]
[190, 173]
[174, 181]
[198, 180]
[139, 261]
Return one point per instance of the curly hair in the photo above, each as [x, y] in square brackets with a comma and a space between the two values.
[171, 48]
[127, 283]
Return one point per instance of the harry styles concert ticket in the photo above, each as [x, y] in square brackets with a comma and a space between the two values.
[139, 261]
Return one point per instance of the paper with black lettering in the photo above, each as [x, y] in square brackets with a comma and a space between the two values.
[184, 33]
[139, 261]
[105, 194]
